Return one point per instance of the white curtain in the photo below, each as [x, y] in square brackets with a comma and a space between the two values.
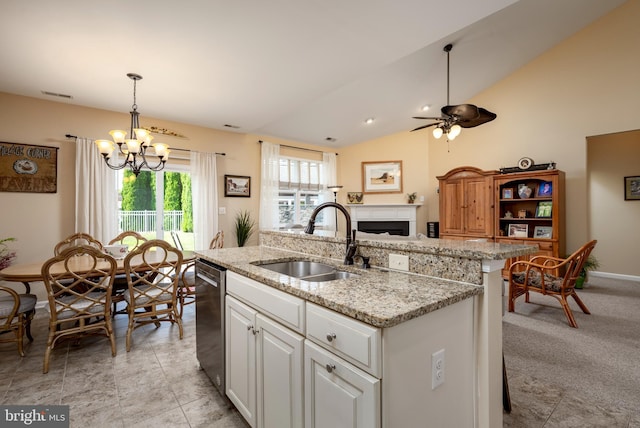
[269, 183]
[329, 178]
[204, 188]
[96, 193]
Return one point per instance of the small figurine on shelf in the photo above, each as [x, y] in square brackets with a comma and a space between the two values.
[411, 197]
[508, 214]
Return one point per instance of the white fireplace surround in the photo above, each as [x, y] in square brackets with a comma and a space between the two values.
[384, 212]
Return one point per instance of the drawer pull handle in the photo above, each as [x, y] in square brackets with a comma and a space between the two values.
[331, 336]
[249, 327]
[330, 367]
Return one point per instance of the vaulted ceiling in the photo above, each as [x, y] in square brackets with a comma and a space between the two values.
[299, 70]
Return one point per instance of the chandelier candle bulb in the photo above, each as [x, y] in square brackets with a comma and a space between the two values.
[133, 146]
[105, 147]
[161, 150]
[118, 136]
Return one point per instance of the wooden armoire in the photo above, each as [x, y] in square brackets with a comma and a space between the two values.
[467, 204]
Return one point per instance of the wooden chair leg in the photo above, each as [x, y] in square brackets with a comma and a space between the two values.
[29, 317]
[568, 313]
[580, 303]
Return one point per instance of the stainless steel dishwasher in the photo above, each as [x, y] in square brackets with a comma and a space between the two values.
[210, 291]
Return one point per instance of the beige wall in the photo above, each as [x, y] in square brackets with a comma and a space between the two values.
[612, 220]
[38, 221]
[587, 85]
[410, 148]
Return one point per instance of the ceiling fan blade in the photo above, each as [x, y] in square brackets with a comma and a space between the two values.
[425, 126]
[462, 111]
[429, 118]
[483, 117]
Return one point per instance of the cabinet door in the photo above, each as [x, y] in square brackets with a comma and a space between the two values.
[280, 374]
[451, 202]
[477, 206]
[337, 394]
[240, 354]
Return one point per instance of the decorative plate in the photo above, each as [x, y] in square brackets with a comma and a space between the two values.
[25, 166]
[525, 163]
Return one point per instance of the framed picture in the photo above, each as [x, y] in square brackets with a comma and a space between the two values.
[382, 177]
[237, 185]
[518, 230]
[632, 188]
[507, 193]
[544, 209]
[542, 232]
[545, 189]
[28, 168]
[354, 197]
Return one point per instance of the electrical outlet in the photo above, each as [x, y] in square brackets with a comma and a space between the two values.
[437, 369]
[399, 262]
[222, 210]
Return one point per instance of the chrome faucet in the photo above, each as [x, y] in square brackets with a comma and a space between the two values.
[352, 245]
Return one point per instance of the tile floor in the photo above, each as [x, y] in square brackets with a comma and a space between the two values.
[158, 383]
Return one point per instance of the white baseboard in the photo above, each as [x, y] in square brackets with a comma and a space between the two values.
[614, 276]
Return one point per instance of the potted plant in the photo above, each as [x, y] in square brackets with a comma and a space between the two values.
[6, 256]
[412, 197]
[245, 226]
[590, 264]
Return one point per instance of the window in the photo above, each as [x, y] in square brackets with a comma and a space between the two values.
[157, 203]
[299, 191]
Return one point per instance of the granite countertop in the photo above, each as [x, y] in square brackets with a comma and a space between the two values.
[479, 249]
[378, 297]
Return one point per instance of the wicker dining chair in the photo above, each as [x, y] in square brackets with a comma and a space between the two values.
[132, 239]
[152, 271]
[550, 276]
[79, 282]
[16, 313]
[75, 240]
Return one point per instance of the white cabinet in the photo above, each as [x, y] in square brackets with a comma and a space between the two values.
[279, 369]
[240, 354]
[355, 341]
[337, 394]
[343, 373]
[264, 369]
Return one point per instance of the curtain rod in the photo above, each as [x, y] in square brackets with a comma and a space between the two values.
[298, 148]
[170, 148]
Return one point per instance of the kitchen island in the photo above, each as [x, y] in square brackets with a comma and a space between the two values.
[450, 300]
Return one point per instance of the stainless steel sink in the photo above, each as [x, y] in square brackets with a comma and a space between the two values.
[307, 270]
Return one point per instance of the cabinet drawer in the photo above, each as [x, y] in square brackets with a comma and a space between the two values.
[278, 305]
[355, 341]
[546, 246]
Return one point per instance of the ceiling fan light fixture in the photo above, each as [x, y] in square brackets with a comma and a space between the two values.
[456, 117]
[454, 131]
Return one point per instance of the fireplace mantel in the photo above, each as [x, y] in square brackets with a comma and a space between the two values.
[384, 212]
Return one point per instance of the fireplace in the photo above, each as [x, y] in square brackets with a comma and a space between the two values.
[394, 219]
[391, 227]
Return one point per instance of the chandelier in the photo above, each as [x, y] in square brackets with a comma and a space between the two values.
[135, 148]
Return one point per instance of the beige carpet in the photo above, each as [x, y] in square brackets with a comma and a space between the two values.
[598, 362]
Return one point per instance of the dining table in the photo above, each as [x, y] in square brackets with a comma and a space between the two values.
[26, 273]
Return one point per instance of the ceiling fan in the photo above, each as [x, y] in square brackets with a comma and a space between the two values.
[456, 117]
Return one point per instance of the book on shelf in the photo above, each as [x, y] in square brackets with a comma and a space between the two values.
[544, 209]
